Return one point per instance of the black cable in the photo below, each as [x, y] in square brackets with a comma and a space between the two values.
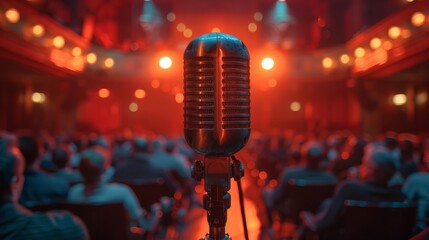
[243, 214]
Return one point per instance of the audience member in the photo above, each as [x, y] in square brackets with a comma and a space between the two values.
[139, 168]
[61, 159]
[94, 190]
[18, 222]
[409, 158]
[165, 160]
[416, 188]
[310, 172]
[377, 170]
[39, 187]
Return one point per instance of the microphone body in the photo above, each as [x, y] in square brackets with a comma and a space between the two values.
[217, 94]
[217, 117]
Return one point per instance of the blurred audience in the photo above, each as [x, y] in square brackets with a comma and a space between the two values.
[94, 190]
[377, 169]
[18, 222]
[310, 172]
[138, 168]
[165, 160]
[39, 187]
[416, 189]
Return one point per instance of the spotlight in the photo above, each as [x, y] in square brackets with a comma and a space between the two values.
[267, 63]
[165, 62]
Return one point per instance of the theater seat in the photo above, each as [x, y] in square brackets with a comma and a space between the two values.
[305, 196]
[104, 221]
[375, 221]
[156, 192]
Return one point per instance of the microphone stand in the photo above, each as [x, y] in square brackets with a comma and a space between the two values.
[217, 172]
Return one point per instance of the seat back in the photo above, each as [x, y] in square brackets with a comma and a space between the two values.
[149, 192]
[384, 220]
[104, 221]
[306, 196]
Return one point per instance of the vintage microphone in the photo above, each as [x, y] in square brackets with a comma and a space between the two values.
[217, 118]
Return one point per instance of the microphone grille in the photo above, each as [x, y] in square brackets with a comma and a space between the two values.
[235, 93]
[199, 86]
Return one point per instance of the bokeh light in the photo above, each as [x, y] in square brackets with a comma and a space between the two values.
[12, 15]
[272, 82]
[109, 62]
[181, 27]
[421, 98]
[387, 45]
[58, 42]
[187, 33]
[133, 107]
[295, 106]
[267, 63]
[258, 16]
[103, 93]
[76, 51]
[399, 99]
[359, 52]
[418, 19]
[375, 43]
[345, 58]
[165, 62]
[91, 58]
[179, 97]
[38, 97]
[327, 62]
[139, 93]
[155, 83]
[171, 16]
[38, 30]
[394, 32]
[252, 27]
[215, 29]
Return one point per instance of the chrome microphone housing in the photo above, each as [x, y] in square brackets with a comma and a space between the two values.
[217, 94]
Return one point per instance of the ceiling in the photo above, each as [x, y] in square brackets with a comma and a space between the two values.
[135, 25]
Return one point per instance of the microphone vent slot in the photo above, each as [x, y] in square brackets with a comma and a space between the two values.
[235, 93]
[199, 92]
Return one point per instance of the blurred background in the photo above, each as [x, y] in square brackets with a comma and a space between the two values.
[316, 65]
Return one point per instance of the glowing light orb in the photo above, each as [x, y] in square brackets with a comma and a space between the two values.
[344, 58]
[295, 106]
[133, 107]
[165, 62]
[399, 99]
[38, 97]
[109, 62]
[103, 93]
[12, 15]
[139, 93]
[58, 42]
[267, 63]
[38, 30]
[91, 58]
